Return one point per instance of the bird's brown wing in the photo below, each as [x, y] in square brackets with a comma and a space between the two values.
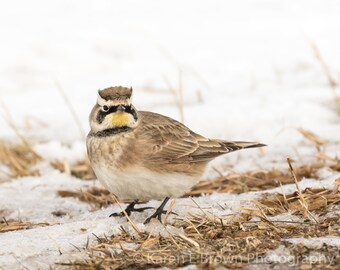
[168, 141]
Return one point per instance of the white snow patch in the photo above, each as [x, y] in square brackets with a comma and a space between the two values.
[55, 150]
[280, 255]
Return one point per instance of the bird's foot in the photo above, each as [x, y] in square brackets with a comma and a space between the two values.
[159, 212]
[129, 209]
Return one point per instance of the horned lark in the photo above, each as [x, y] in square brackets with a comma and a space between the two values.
[143, 155]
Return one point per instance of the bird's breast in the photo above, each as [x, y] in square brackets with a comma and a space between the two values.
[110, 152]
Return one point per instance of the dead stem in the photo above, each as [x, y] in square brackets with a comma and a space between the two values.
[302, 200]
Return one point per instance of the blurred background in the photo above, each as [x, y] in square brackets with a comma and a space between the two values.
[238, 70]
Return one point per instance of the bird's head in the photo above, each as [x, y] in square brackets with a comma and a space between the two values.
[113, 110]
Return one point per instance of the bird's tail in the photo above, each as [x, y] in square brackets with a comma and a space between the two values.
[238, 145]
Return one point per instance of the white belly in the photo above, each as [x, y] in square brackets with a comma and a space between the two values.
[143, 184]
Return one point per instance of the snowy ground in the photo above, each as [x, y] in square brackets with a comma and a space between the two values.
[248, 72]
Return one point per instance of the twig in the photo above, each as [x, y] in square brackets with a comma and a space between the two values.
[204, 213]
[275, 221]
[5, 220]
[332, 82]
[302, 200]
[193, 226]
[24, 267]
[75, 247]
[97, 237]
[168, 212]
[284, 196]
[189, 240]
[134, 226]
[217, 171]
[171, 237]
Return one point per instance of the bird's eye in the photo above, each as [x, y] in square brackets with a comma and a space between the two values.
[105, 108]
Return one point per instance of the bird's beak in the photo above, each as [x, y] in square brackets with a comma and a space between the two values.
[120, 108]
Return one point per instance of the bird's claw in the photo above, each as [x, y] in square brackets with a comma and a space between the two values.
[129, 209]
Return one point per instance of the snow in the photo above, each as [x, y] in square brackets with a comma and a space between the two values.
[55, 150]
[248, 73]
[280, 255]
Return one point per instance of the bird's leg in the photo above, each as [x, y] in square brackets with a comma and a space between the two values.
[158, 214]
[130, 208]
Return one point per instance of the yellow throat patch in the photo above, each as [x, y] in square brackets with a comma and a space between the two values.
[119, 119]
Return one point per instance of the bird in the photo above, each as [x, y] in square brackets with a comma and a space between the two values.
[142, 155]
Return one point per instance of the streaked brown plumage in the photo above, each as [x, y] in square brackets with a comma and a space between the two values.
[166, 144]
[145, 155]
[116, 93]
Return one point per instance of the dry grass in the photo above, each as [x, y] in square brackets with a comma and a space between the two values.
[233, 241]
[210, 241]
[96, 196]
[315, 199]
[12, 225]
[253, 181]
[81, 170]
[19, 158]
[312, 137]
